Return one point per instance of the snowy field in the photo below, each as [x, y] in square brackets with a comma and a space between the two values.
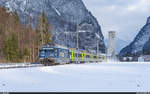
[102, 77]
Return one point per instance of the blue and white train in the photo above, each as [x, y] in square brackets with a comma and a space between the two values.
[52, 55]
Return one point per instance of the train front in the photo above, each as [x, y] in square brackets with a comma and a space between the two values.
[47, 55]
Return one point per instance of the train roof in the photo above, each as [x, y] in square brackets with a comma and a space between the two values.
[54, 46]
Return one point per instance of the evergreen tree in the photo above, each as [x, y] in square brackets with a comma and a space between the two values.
[16, 18]
[25, 54]
[44, 30]
[20, 42]
[11, 48]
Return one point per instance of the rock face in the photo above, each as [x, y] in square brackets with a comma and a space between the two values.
[141, 41]
[63, 15]
[146, 48]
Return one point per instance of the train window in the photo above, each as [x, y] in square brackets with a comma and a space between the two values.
[42, 53]
[55, 52]
[51, 52]
[64, 53]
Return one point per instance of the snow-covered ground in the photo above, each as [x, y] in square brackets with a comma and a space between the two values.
[102, 77]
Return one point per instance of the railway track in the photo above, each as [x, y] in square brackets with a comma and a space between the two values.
[26, 65]
[19, 66]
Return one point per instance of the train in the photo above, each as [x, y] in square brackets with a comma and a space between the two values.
[57, 54]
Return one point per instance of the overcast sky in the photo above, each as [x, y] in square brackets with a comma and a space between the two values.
[126, 17]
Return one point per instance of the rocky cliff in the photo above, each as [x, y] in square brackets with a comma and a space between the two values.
[140, 42]
[63, 15]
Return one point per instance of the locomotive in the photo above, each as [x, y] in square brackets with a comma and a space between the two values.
[57, 54]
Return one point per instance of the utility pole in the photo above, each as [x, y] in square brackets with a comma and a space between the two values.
[77, 44]
[97, 43]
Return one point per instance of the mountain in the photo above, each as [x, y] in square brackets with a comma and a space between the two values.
[120, 43]
[141, 41]
[146, 48]
[63, 15]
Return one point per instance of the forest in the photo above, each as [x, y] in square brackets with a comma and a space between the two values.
[21, 42]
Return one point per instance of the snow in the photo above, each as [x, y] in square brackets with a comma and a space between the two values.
[8, 6]
[82, 31]
[97, 35]
[56, 10]
[91, 77]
